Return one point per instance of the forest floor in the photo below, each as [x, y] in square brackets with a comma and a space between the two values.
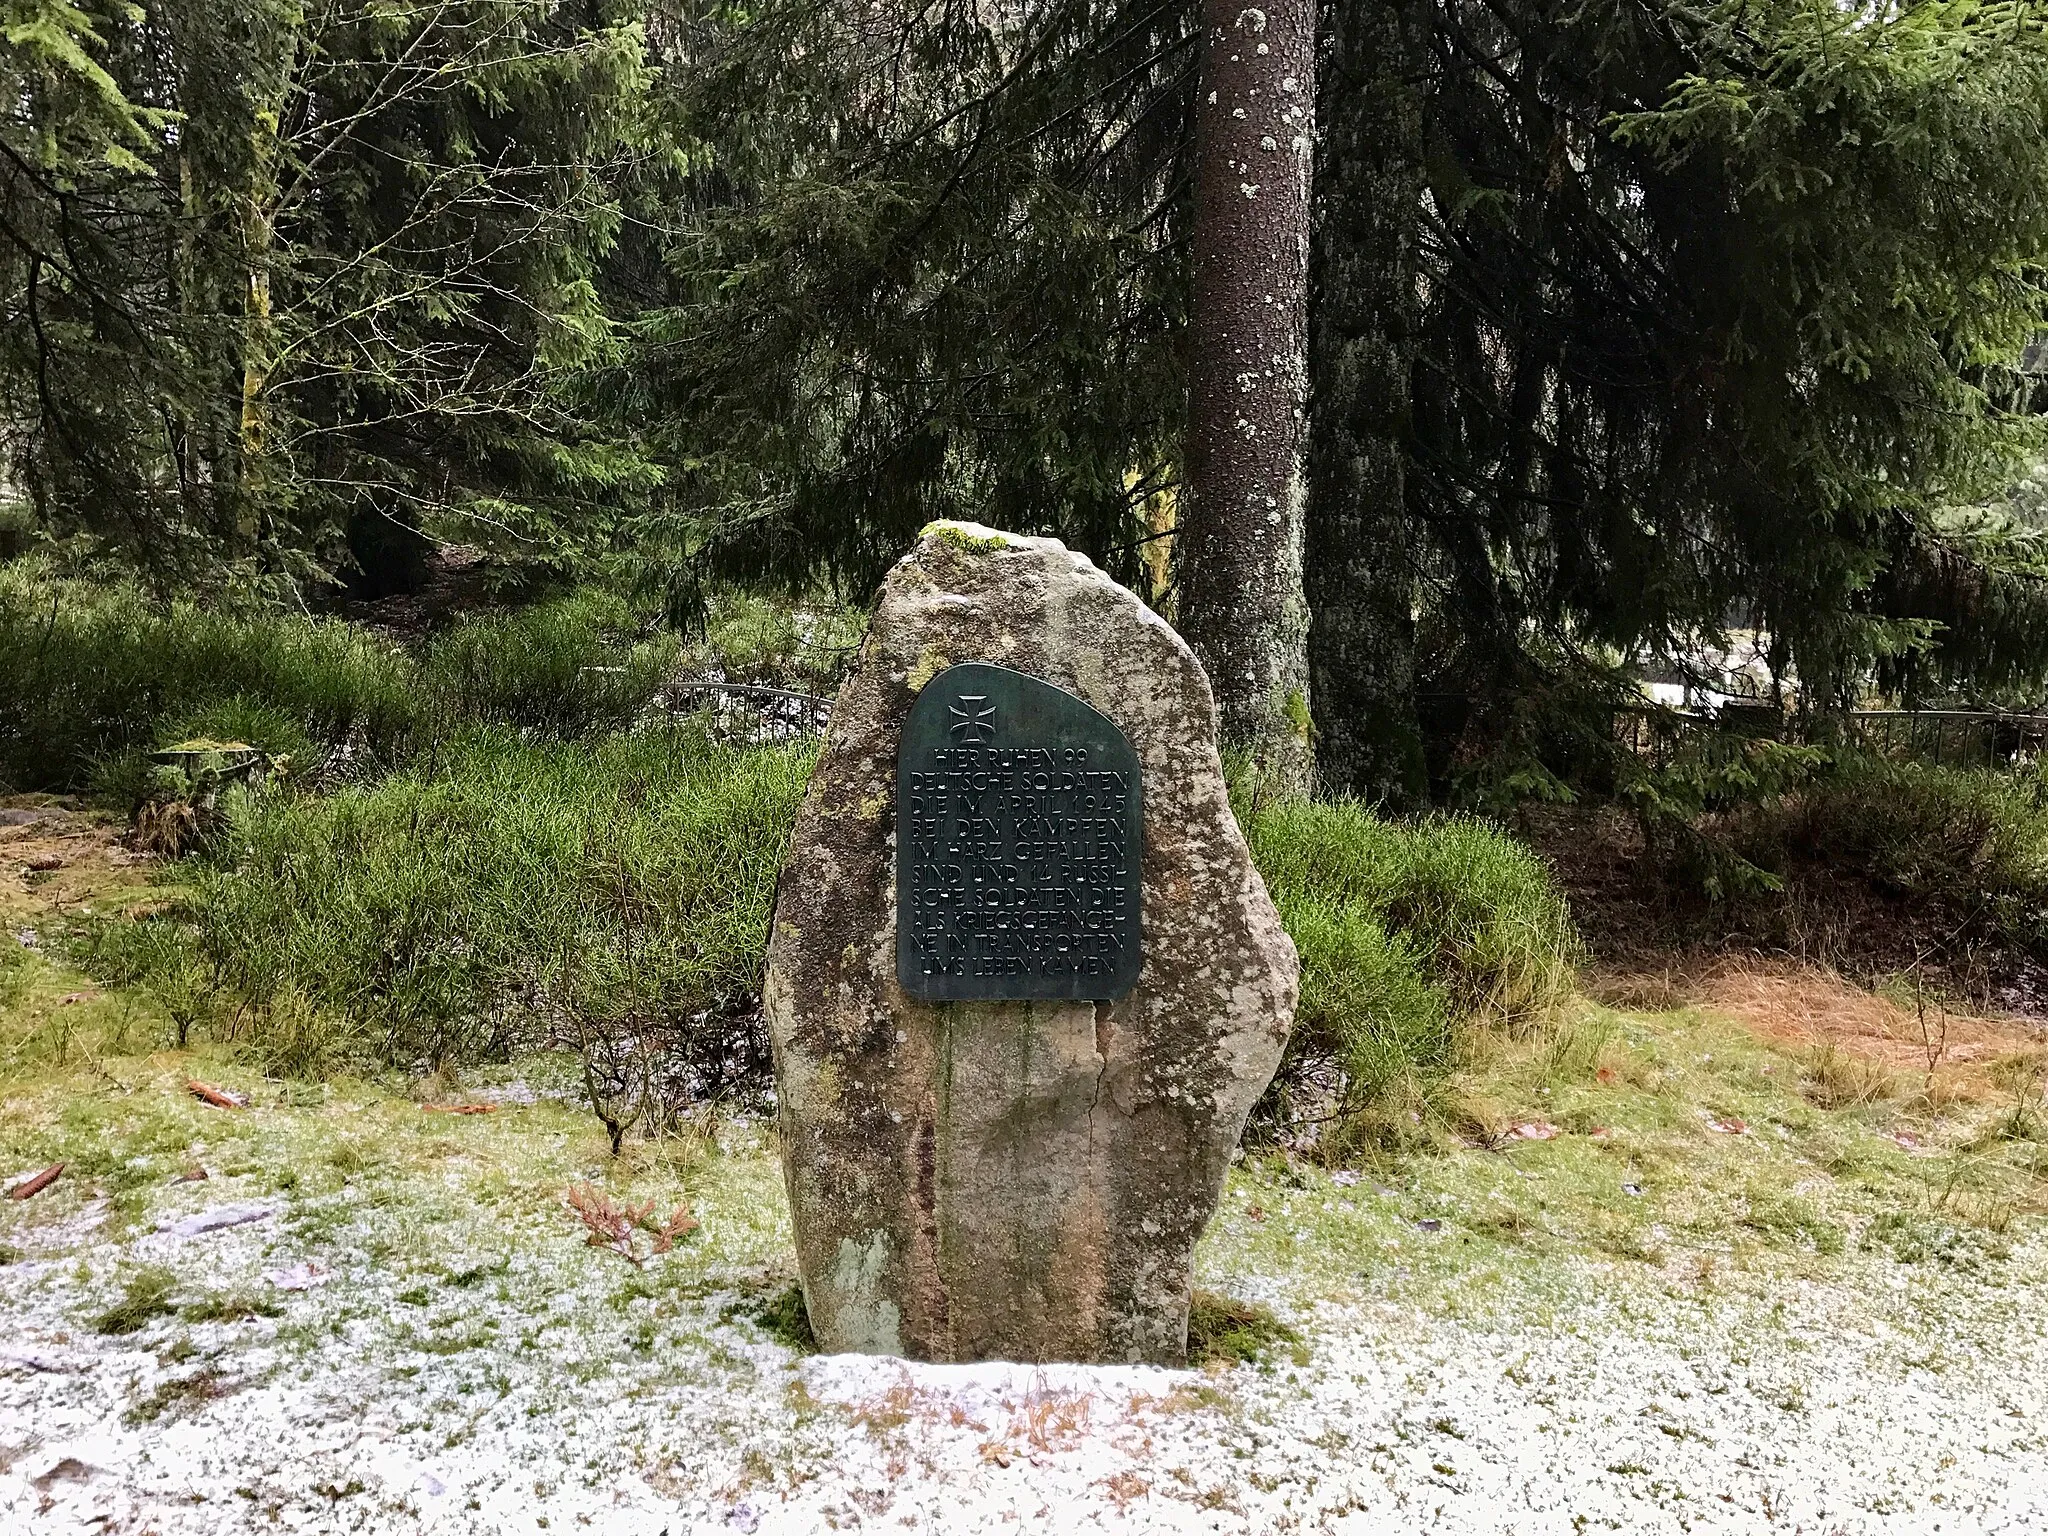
[1725, 1253]
[1639, 923]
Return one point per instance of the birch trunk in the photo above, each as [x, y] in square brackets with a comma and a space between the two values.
[1240, 530]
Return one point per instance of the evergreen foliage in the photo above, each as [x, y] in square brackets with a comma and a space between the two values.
[1724, 307]
[1638, 322]
[271, 268]
[924, 264]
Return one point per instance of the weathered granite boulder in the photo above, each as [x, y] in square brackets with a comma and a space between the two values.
[1017, 1180]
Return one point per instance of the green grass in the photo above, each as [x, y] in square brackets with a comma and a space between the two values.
[1419, 942]
[1634, 1179]
[176, 1393]
[783, 1317]
[92, 677]
[468, 906]
[513, 853]
[1224, 1330]
[145, 1298]
[505, 890]
[574, 667]
[232, 1307]
[751, 639]
[484, 844]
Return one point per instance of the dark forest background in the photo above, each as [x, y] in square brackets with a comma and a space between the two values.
[1635, 325]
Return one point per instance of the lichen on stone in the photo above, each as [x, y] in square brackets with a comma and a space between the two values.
[930, 663]
[868, 1321]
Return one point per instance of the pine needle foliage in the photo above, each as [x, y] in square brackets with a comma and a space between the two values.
[1725, 308]
[922, 264]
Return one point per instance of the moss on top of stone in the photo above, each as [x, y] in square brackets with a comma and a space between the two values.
[968, 538]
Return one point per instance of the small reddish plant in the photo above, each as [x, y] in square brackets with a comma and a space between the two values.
[617, 1227]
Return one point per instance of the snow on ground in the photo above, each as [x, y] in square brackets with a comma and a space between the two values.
[471, 1367]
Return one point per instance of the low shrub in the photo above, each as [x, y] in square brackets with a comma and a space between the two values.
[575, 666]
[1369, 1008]
[499, 896]
[1478, 909]
[753, 639]
[91, 676]
[1972, 838]
[1416, 940]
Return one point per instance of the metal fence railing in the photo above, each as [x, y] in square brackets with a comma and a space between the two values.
[1958, 737]
[1945, 737]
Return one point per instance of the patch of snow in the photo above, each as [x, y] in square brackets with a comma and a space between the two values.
[215, 1220]
[299, 1277]
[419, 1392]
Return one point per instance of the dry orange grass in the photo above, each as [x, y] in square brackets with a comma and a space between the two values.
[1822, 1013]
[61, 860]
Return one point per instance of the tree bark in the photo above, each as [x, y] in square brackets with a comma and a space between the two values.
[1240, 529]
[259, 239]
[1362, 316]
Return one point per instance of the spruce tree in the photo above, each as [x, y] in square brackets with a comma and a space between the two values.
[1717, 313]
[1362, 576]
[1240, 549]
[929, 264]
[276, 269]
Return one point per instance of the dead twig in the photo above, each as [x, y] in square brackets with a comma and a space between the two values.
[612, 1225]
[680, 1223]
[37, 1184]
[219, 1098]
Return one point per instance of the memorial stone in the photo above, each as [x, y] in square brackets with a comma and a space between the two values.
[1024, 984]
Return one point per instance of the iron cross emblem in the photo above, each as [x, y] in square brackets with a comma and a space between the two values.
[975, 722]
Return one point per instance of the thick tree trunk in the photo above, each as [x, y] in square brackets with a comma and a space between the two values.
[1361, 580]
[1240, 530]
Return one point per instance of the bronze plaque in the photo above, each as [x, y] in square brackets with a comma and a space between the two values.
[1020, 841]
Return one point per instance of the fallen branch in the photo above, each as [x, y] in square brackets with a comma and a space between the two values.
[219, 1098]
[37, 1184]
[460, 1109]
